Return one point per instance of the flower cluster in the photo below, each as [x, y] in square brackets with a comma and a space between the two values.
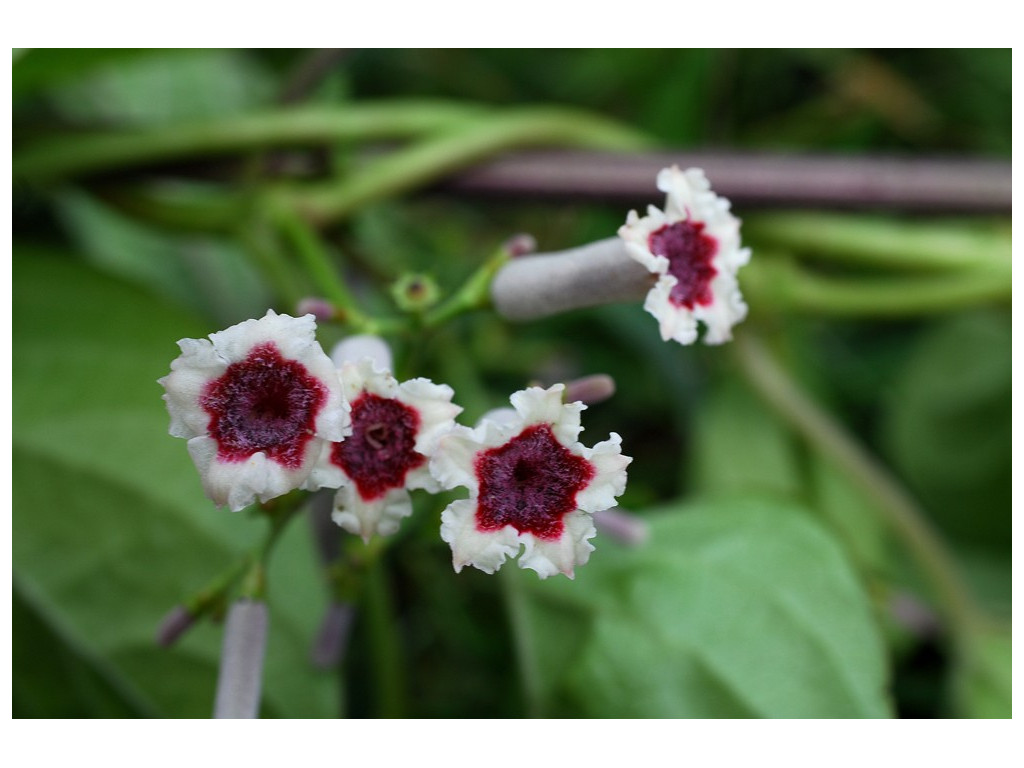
[694, 248]
[265, 411]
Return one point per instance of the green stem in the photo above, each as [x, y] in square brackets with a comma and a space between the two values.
[882, 243]
[248, 568]
[475, 293]
[899, 511]
[517, 607]
[265, 250]
[70, 156]
[432, 158]
[318, 265]
[784, 283]
[192, 210]
[280, 513]
[387, 656]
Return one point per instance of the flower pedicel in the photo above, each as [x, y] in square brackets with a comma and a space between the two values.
[257, 403]
[531, 485]
[694, 247]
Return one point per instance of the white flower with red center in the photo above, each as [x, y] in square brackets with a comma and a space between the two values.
[395, 429]
[257, 403]
[694, 247]
[531, 483]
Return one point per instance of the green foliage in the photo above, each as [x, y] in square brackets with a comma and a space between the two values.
[948, 427]
[742, 608]
[763, 588]
[112, 526]
[983, 684]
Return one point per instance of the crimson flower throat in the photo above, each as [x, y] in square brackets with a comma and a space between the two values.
[380, 452]
[263, 403]
[689, 252]
[530, 483]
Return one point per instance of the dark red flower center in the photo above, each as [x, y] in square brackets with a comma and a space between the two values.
[263, 403]
[530, 483]
[689, 252]
[379, 453]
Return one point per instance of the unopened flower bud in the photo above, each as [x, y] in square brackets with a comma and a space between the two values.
[241, 661]
[177, 621]
[415, 293]
[519, 245]
[321, 309]
[622, 526]
[332, 638]
[355, 348]
[547, 284]
[590, 389]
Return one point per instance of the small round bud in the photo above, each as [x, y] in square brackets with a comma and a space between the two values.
[415, 292]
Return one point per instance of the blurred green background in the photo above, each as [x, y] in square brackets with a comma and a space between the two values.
[770, 586]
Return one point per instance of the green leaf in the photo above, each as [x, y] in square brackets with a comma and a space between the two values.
[983, 681]
[51, 677]
[853, 516]
[741, 446]
[111, 528]
[948, 427]
[206, 274]
[165, 86]
[741, 608]
[36, 68]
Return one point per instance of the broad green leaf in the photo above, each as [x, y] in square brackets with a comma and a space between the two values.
[852, 516]
[164, 87]
[36, 68]
[740, 608]
[740, 446]
[111, 528]
[51, 677]
[983, 683]
[948, 427]
[206, 274]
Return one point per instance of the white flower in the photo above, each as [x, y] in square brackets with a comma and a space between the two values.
[694, 246]
[257, 403]
[531, 485]
[395, 430]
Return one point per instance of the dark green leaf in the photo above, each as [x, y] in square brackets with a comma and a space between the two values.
[948, 427]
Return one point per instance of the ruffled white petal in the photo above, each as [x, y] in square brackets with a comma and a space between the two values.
[485, 550]
[365, 518]
[673, 325]
[453, 463]
[689, 197]
[237, 484]
[548, 557]
[423, 479]
[728, 309]
[325, 473]
[636, 233]
[609, 478]
[293, 336]
[197, 365]
[544, 406]
[437, 412]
